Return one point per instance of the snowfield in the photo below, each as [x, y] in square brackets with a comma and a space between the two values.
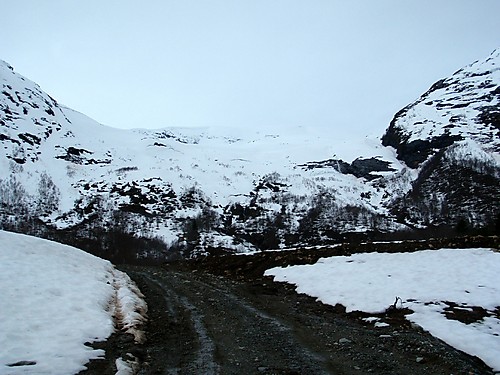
[54, 299]
[424, 281]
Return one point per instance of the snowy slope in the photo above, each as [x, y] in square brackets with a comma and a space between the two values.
[55, 298]
[468, 281]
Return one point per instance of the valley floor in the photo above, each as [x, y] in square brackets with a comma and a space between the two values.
[211, 319]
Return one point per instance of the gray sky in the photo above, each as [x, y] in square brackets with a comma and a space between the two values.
[244, 63]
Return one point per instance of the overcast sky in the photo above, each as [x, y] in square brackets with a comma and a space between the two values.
[244, 63]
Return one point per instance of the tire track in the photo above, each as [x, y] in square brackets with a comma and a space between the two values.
[232, 335]
[204, 362]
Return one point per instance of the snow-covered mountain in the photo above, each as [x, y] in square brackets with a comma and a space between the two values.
[205, 189]
[455, 110]
[451, 137]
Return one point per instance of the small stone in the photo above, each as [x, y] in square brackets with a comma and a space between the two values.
[415, 326]
[419, 359]
[343, 340]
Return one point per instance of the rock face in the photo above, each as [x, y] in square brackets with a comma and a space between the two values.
[129, 194]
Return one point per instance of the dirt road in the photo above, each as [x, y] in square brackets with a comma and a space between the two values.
[217, 331]
[207, 324]
[219, 315]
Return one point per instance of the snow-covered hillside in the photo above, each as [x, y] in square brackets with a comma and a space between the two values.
[56, 298]
[76, 169]
[204, 189]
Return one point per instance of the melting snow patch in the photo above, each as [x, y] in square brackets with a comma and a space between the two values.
[371, 319]
[426, 280]
[130, 311]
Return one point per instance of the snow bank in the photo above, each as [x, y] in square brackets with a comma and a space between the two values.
[54, 299]
[131, 308]
[423, 280]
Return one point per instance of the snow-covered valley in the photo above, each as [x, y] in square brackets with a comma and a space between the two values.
[184, 192]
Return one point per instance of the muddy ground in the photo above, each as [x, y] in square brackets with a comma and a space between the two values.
[220, 315]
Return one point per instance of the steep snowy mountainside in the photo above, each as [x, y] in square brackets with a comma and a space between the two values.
[450, 136]
[35, 126]
[464, 106]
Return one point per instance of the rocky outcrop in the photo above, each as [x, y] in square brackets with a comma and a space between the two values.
[365, 168]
